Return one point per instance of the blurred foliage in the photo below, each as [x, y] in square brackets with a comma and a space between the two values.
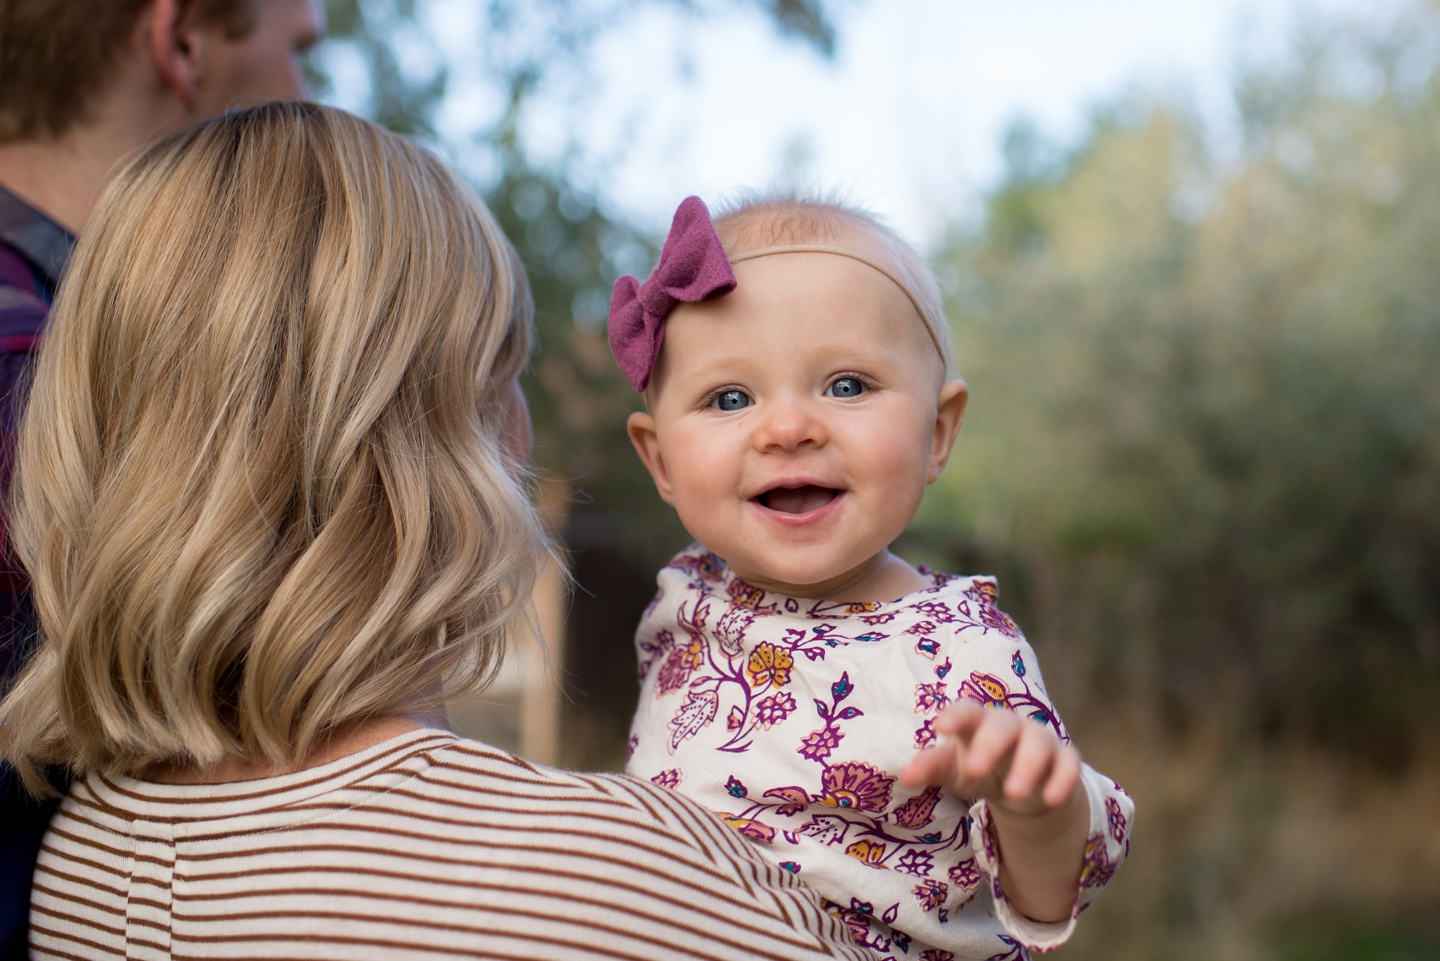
[1204, 436]
[1376, 942]
[383, 58]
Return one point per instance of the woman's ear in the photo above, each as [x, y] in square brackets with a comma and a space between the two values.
[641, 428]
[949, 412]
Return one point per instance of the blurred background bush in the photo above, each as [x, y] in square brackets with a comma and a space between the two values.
[1203, 451]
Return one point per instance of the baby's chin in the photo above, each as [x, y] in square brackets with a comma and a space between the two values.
[879, 579]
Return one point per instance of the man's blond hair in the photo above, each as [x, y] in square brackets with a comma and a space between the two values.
[262, 486]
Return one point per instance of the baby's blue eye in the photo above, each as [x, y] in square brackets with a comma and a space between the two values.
[846, 387]
[733, 400]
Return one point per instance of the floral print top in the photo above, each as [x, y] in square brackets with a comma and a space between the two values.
[792, 718]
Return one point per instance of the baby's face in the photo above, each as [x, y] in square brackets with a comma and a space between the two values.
[795, 423]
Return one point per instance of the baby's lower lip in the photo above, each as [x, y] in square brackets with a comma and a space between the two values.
[796, 501]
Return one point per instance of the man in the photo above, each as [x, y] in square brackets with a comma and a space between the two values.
[84, 83]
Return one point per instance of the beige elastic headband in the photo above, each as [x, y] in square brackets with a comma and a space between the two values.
[932, 325]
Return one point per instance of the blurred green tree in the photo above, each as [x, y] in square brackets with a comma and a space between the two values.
[1205, 432]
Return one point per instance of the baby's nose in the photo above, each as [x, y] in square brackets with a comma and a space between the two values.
[789, 426]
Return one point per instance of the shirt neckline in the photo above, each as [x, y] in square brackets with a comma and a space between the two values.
[38, 238]
[719, 579]
[267, 793]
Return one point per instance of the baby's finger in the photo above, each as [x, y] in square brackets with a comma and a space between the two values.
[1064, 775]
[934, 765]
[990, 746]
[1031, 762]
[960, 719]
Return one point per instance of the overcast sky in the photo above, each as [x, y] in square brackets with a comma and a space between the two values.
[908, 117]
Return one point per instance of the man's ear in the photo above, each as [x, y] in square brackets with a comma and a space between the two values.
[949, 412]
[641, 428]
[176, 48]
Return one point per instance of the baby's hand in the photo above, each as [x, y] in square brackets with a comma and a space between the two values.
[1019, 766]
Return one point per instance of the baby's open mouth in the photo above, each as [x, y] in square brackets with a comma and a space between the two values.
[797, 500]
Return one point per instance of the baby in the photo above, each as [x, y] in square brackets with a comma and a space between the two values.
[818, 692]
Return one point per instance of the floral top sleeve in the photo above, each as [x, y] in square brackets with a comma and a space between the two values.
[792, 718]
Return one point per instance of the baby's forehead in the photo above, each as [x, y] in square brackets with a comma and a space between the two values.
[775, 227]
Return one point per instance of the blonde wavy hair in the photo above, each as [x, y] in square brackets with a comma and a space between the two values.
[262, 486]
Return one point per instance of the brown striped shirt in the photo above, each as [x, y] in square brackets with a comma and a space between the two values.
[424, 846]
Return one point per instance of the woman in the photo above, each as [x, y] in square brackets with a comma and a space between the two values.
[271, 493]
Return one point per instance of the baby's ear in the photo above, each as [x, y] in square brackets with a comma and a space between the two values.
[641, 428]
[949, 412]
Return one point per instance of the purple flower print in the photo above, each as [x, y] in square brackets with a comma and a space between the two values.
[751, 828]
[985, 594]
[966, 875]
[773, 709]
[1097, 868]
[1015, 951]
[707, 565]
[651, 651]
[857, 918]
[825, 829]
[1116, 817]
[855, 785]
[919, 810]
[939, 610]
[917, 863]
[682, 661]
[930, 894]
[930, 698]
[818, 745]
[924, 736]
[796, 799]
[920, 627]
[736, 788]
[670, 778]
[935, 954]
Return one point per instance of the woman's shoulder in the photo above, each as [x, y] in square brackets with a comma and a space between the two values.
[594, 804]
[629, 835]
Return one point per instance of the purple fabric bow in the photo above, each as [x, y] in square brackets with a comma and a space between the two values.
[692, 268]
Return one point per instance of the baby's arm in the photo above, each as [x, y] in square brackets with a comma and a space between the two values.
[1038, 803]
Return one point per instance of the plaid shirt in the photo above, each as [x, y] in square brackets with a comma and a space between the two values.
[33, 251]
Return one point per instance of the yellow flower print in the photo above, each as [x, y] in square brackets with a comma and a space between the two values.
[985, 689]
[694, 655]
[769, 666]
[862, 607]
[743, 595]
[869, 853]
